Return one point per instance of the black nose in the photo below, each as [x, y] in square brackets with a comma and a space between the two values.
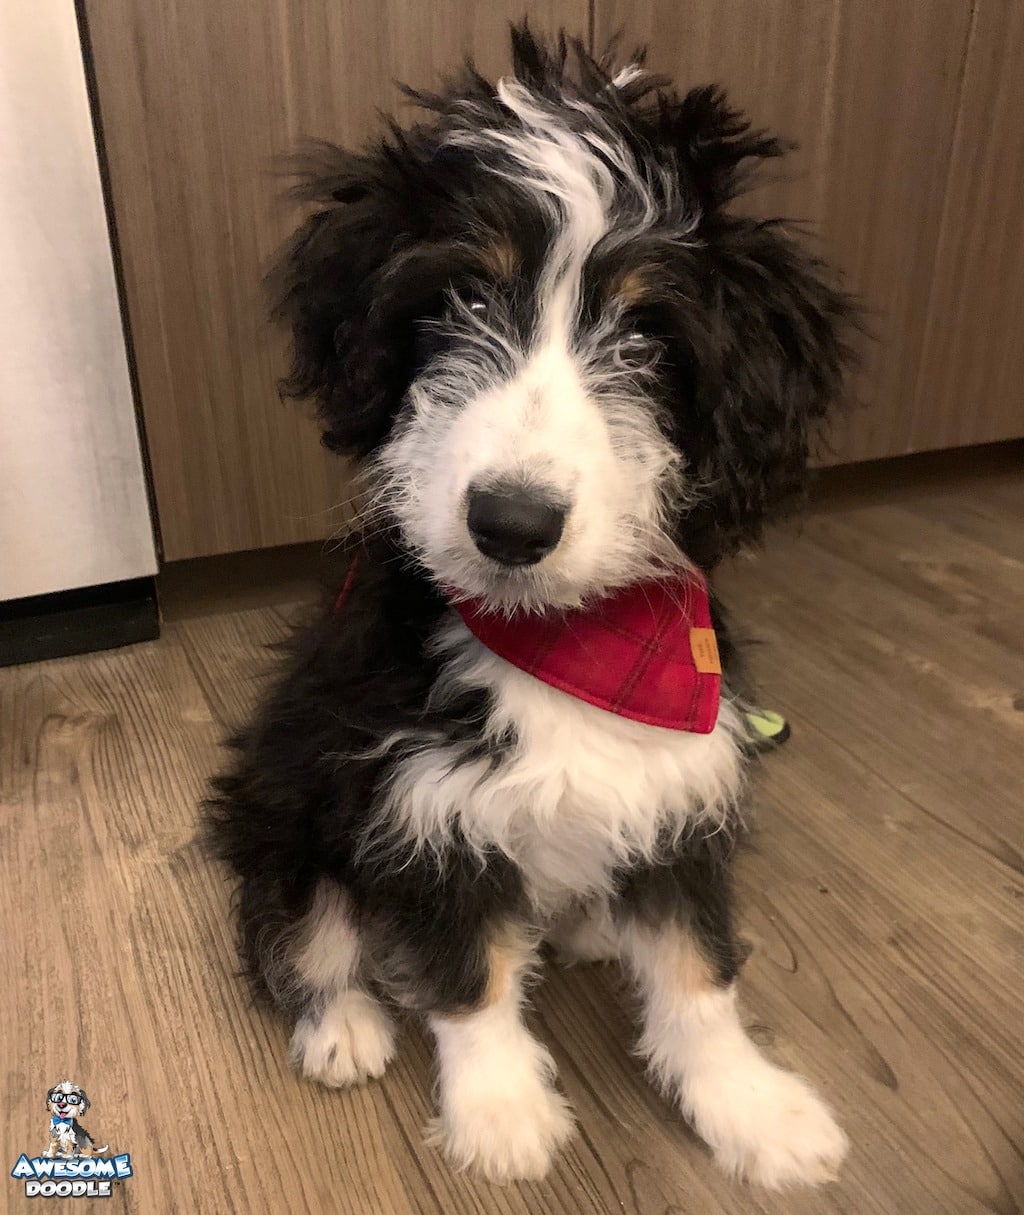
[514, 526]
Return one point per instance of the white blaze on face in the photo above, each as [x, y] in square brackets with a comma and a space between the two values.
[572, 174]
[576, 186]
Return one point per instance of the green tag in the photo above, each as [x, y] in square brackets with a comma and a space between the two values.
[770, 728]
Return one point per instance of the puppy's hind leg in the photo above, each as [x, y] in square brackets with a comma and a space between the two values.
[343, 1036]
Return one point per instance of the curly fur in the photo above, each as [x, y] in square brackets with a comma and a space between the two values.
[538, 285]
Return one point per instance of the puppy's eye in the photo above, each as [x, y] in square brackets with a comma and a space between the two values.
[634, 349]
[468, 300]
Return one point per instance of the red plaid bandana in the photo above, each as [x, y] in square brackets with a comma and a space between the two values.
[648, 652]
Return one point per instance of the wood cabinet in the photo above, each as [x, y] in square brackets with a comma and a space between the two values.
[911, 167]
[970, 383]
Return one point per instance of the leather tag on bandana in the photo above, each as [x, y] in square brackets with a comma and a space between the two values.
[647, 653]
[704, 648]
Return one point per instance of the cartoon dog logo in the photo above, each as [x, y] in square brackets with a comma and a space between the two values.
[67, 1135]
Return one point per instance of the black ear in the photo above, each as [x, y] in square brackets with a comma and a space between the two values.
[765, 347]
[325, 288]
[766, 352]
[535, 62]
[716, 148]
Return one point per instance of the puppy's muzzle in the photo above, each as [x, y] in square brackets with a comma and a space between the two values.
[514, 525]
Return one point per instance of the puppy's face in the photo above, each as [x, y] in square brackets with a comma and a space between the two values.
[531, 462]
[569, 368]
[66, 1101]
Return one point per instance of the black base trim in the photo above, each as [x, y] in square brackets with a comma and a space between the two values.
[79, 621]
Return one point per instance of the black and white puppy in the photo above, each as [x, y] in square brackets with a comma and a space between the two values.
[537, 296]
[66, 1103]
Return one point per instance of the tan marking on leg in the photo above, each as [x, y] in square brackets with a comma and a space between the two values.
[672, 951]
[509, 953]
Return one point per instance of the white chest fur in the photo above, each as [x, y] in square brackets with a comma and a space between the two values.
[581, 791]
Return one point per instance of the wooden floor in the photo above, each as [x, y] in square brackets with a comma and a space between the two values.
[883, 896]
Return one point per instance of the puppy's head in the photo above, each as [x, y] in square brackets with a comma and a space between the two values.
[67, 1100]
[566, 365]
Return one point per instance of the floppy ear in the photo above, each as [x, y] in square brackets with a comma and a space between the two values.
[759, 342]
[715, 149]
[325, 287]
[766, 358]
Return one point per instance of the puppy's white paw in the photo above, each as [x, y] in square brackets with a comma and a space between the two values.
[503, 1136]
[351, 1042]
[766, 1125]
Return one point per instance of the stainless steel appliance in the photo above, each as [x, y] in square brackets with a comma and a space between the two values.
[73, 502]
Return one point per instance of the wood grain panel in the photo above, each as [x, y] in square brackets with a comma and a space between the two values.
[972, 363]
[198, 98]
[894, 98]
[870, 92]
[775, 58]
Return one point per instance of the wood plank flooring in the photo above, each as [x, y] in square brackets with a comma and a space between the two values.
[882, 893]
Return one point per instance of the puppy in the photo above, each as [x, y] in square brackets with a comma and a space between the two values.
[575, 381]
[67, 1135]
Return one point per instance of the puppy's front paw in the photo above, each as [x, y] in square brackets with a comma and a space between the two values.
[767, 1125]
[351, 1042]
[503, 1136]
